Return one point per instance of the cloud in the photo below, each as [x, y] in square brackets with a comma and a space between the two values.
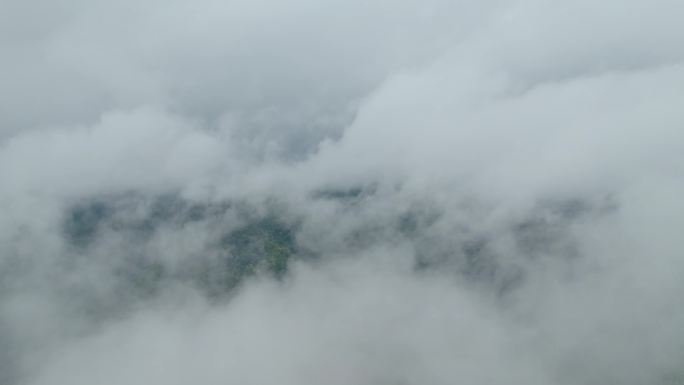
[342, 192]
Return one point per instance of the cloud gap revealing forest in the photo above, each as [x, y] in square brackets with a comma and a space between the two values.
[341, 192]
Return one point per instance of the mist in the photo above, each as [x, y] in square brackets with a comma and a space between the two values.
[341, 192]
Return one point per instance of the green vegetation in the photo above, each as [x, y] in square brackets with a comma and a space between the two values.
[262, 245]
[82, 222]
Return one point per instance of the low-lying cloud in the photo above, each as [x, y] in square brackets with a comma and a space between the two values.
[378, 192]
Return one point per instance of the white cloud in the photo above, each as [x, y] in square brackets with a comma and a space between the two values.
[490, 190]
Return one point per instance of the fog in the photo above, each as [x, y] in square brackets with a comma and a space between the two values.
[341, 192]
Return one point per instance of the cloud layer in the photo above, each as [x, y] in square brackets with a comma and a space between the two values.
[348, 192]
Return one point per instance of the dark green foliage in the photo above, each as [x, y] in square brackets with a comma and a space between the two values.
[345, 195]
[340, 194]
[408, 224]
[83, 221]
[141, 276]
[545, 233]
[262, 244]
[172, 210]
[266, 242]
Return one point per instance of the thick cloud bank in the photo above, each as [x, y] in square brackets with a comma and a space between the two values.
[341, 192]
